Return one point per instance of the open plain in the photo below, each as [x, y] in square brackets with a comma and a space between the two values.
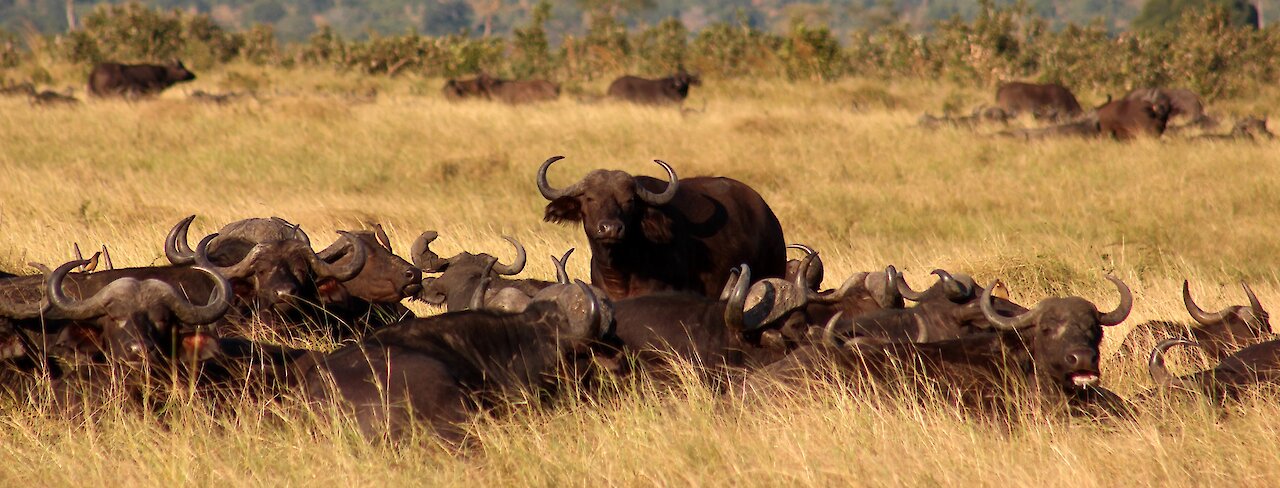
[842, 165]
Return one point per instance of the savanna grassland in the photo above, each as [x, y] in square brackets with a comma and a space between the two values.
[841, 164]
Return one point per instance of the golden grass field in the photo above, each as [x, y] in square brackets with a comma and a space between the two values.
[862, 185]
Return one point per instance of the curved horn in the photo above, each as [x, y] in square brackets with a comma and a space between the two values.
[1254, 304]
[1200, 316]
[515, 267]
[657, 199]
[593, 311]
[999, 321]
[1159, 373]
[730, 284]
[219, 300]
[562, 274]
[801, 247]
[951, 286]
[544, 187]
[733, 308]
[482, 286]
[829, 332]
[1122, 310]
[425, 259]
[176, 247]
[840, 293]
[802, 272]
[68, 307]
[341, 273]
[905, 290]
[891, 276]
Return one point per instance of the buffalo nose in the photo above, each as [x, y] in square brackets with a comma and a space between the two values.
[609, 229]
[1082, 359]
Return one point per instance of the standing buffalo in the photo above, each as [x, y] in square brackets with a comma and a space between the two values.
[686, 237]
[1049, 101]
[1182, 102]
[508, 91]
[1129, 119]
[136, 80]
[671, 90]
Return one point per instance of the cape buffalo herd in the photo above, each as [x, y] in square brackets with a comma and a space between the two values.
[685, 273]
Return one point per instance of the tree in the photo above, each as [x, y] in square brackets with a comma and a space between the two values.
[1165, 13]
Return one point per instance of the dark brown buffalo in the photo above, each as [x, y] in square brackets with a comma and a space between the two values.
[1048, 101]
[1258, 364]
[461, 275]
[462, 89]
[1182, 102]
[671, 90]
[136, 80]
[1218, 333]
[688, 237]
[738, 329]
[373, 297]
[280, 276]
[439, 371]
[861, 293]
[1129, 119]
[1051, 349]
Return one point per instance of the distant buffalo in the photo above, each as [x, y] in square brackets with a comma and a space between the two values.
[507, 91]
[1048, 102]
[136, 80]
[1182, 102]
[1128, 119]
[671, 90]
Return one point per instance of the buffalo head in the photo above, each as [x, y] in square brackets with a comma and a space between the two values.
[612, 205]
[129, 315]
[1063, 334]
[461, 274]
[385, 277]
[175, 71]
[1235, 322]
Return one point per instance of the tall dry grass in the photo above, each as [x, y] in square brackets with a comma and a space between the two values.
[861, 184]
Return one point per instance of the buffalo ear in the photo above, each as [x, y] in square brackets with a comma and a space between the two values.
[656, 226]
[563, 209]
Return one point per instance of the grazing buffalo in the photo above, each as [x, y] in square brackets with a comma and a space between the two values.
[1182, 102]
[671, 90]
[1218, 333]
[1254, 365]
[1129, 119]
[440, 370]
[461, 275]
[687, 236]
[136, 80]
[1051, 349]
[1049, 101]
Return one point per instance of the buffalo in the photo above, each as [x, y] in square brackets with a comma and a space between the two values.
[671, 90]
[813, 275]
[136, 80]
[686, 235]
[1182, 102]
[461, 274]
[1248, 128]
[1129, 119]
[1049, 101]
[1254, 365]
[1052, 349]
[1218, 333]
[439, 370]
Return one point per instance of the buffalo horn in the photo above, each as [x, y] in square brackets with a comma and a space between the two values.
[1254, 304]
[1122, 310]
[905, 290]
[733, 309]
[515, 267]
[1200, 316]
[176, 247]
[423, 257]
[482, 286]
[999, 321]
[593, 310]
[562, 274]
[1160, 373]
[544, 187]
[343, 273]
[658, 199]
[829, 332]
[64, 306]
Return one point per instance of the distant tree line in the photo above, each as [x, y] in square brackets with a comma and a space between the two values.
[1203, 49]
